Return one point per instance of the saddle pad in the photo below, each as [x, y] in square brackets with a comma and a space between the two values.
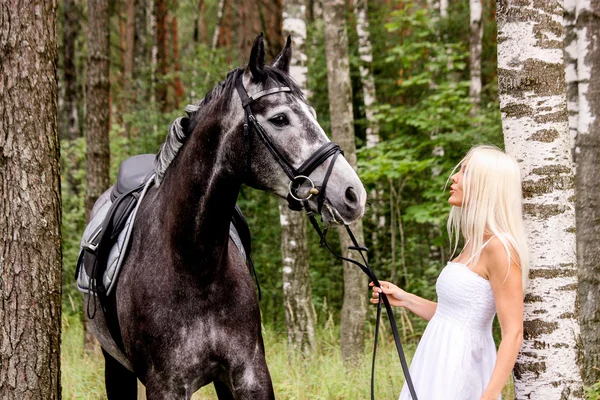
[119, 250]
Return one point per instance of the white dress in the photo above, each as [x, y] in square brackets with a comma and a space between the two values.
[456, 355]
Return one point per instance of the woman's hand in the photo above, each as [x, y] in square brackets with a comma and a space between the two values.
[396, 296]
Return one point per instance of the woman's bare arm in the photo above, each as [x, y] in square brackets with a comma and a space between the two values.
[400, 298]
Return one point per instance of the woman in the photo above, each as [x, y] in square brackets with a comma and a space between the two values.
[456, 357]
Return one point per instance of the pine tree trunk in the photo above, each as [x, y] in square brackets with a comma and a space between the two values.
[297, 292]
[160, 15]
[30, 222]
[366, 57]
[536, 132]
[354, 309]
[571, 69]
[70, 128]
[270, 13]
[586, 185]
[476, 12]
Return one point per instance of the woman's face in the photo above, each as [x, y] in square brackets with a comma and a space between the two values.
[456, 189]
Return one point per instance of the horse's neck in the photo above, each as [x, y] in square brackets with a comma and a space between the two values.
[199, 195]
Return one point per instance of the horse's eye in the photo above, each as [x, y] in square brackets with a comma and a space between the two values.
[279, 120]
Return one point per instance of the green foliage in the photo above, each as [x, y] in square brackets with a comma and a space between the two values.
[593, 392]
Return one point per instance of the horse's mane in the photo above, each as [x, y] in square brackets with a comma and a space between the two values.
[182, 127]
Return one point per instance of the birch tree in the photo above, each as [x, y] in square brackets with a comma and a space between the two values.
[586, 184]
[30, 214]
[476, 12]
[571, 69]
[535, 126]
[366, 60]
[354, 308]
[297, 293]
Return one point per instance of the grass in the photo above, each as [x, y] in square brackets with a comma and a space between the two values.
[321, 377]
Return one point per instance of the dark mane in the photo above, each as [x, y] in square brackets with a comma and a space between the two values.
[182, 127]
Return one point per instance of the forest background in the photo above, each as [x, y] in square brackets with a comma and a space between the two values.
[425, 116]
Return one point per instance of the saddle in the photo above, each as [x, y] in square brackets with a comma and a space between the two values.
[106, 237]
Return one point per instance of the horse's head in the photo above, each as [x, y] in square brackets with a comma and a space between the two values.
[289, 125]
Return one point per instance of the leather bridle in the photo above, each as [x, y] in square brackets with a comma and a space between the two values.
[298, 202]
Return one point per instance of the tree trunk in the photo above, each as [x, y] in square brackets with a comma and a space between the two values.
[366, 58]
[354, 309]
[443, 8]
[571, 69]
[536, 132]
[476, 11]
[586, 185]
[217, 31]
[129, 93]
[297, 293]
[160, 15]
[30, 222]
[178, 86]
[70, 128]
[270, 13]
[140, 49]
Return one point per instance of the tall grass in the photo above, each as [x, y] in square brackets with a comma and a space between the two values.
[321, 377]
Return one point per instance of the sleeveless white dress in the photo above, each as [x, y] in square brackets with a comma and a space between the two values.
[456, 355]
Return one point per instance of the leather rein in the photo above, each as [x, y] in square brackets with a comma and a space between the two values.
[298, 202]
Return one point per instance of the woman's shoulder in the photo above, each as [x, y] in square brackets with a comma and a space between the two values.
[497, 255]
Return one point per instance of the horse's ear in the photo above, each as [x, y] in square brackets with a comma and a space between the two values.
[282, 61]
[257, 59]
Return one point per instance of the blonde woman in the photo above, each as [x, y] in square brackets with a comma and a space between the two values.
[456, 358]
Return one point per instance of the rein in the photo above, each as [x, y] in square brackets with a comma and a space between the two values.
[297, 202]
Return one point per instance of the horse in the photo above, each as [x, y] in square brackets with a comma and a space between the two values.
[185, 302]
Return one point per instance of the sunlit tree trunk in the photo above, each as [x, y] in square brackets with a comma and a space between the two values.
[30, 221]
[571, 69]
[354, 309]
[70, 128]
[297, 293]
[476, 12]
[587, 151]
[533, 103]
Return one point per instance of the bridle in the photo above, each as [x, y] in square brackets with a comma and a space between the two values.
[298, 202]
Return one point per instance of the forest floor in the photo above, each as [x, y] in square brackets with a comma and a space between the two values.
[322, 377]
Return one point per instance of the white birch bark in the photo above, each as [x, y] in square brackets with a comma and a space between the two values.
[535, 124]
[354, 308]
[571, 79]
[443, 8]
[368, 81]
[587, 153]
[476, 11]
[297, 292]
[217, 31]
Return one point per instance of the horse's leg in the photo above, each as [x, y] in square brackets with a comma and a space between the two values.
[252, 381]
[121, 383]
[223, 391]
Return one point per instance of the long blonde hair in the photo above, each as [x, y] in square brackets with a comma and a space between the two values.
[491, 204]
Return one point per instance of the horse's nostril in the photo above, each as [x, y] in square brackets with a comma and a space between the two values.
[351, 196]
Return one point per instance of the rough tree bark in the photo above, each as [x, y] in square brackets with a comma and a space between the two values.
[354, 308]
[30, 215]
[70, 128]
[177, 85]
[476, 12]
[297, 292]
[535, 124]
[587, 150]
[571, 69]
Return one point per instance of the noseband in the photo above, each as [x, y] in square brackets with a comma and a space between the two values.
[297, 176]
[297, 202]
